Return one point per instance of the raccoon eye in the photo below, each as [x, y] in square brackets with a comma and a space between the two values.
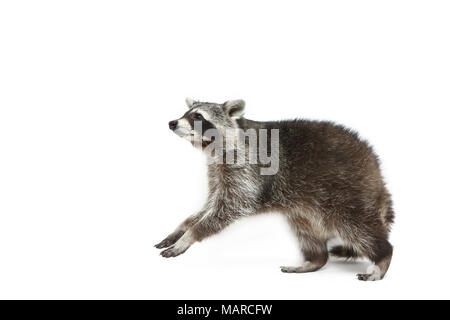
[197, 116]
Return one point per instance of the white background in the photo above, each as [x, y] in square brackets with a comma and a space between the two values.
[91, 177]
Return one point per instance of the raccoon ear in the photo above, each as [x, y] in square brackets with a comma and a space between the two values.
[234, 108]
[189, 102]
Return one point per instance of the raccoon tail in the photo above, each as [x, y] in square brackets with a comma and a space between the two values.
[388, 218]
[387, 214]
[344, 252]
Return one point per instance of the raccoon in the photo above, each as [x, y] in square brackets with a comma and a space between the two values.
[328, 184]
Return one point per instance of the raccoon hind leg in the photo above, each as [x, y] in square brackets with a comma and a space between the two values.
[315, 254]
[314, 249]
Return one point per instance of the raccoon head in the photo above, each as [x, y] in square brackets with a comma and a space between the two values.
[205, 120]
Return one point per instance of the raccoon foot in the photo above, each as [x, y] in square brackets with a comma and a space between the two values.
[373, 274]
[170, 239]
[381, 259]
[306, 267]
[179, 247]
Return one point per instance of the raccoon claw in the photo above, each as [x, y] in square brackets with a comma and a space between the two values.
[366, 277]
[172, 252]
[289, 269]
[170, 240]
[163, 244]
[167, 253]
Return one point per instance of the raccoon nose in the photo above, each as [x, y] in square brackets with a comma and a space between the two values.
[173, 124]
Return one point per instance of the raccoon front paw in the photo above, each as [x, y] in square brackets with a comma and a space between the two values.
[180, 246]
[173, 251]
[170, 239]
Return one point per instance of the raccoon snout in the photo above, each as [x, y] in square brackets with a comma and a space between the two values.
[173, 124]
